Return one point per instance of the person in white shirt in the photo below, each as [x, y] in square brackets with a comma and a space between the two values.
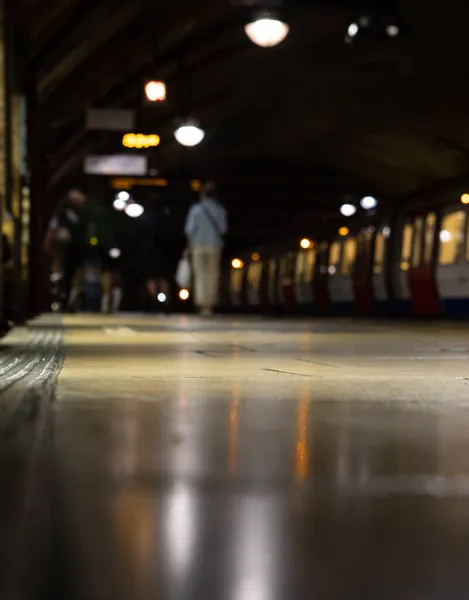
[205, 229]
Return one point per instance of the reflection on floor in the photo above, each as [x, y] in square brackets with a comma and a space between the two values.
[246, 459]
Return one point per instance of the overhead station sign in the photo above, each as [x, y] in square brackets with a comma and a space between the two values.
[104, 119]
[116, 164]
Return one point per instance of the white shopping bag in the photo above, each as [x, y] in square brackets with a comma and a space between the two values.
[183, 273]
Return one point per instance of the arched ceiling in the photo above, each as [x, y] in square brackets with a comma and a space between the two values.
[290, 130]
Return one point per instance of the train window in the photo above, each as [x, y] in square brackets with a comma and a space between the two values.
[417, 242]
[254, 274]
[350, 251]
[334, 257]
[309, 265]
[429, 238]
[406, 247]
[236, 282]
[451, 237]
[379, 253]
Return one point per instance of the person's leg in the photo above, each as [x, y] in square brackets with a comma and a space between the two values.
[198, 265]
[213, 277]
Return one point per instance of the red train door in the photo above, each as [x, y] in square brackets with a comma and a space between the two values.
[421, 274]
[362, 274]
[321, 294]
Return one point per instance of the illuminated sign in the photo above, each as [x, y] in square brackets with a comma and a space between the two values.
[127, 183]
[115, 164]
[140, 140]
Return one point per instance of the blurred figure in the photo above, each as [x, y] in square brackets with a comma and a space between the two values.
[65, 241]
[205, 229]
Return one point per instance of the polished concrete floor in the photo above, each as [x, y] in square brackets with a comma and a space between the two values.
[247, 459]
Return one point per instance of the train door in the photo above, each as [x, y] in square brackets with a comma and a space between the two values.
[304, 270]
[400, 266]
[380, 254]
[422, 270]
[286, 275]
[273, 284]
[341, 261]
[452, 273]
[253, 295]
[362, 273]
[321, 280]
[236, 288]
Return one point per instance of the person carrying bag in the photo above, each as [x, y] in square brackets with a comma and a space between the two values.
[205, 229]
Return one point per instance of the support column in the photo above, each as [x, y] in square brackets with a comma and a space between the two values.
[3, 146]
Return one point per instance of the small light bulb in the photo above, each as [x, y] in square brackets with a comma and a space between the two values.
[352, 30]
[184, 295]
[368, 202]
[161, 297]
[348, 210]
[392, 30]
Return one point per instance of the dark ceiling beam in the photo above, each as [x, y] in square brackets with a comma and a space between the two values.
[90, 44]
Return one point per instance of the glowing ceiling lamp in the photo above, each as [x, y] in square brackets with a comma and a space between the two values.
[368, 202]
[343, 231]
[134, 210]
[155, 91]
[267, 29]
[348, 210]
[114, 253]
[236, 263]
[305, 243]
[189, 133]
[184, 295]
[465, 198]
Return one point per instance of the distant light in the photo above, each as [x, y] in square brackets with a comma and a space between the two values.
[267, 30]
[196, 185]
[348, 210]
[332, 270]
[55, 307]
[237, 264]
[54, 277]
[352, 30]
[155, 91]
[305, 243]
[123, 195]
[189, 134]
[445, 236]
[386, 231]
[343, 231]
[405, 265]
[392, 30]
[94, 241]
[119, 204]
[465, 198]
[134, 210]
[161, 297]
[114, 253]
[364, 21]
[184, 295]
[256, 256]
[368, 202]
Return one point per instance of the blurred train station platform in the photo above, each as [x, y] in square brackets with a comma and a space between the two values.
[245, 458]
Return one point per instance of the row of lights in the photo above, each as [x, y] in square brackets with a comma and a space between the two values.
[367, 203]
[365, 23]
[124, 202]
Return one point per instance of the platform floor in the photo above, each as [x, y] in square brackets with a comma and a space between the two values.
[249, 459]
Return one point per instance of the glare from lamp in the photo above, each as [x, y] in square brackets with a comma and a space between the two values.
[267, 31]
[348, 210]
[161, 297]
[332, 270]
[368, 202]
[445, 236]
[134, 210]
[236, 263]
[184, 295]
[465, 198]
[392, 30]
[256, 256]
[155, 91]
[189, 135]
[123, 195]
[343, 231]
[305, 243]
[352, 30]
[386, 231]
[114, 253]
[119, 204]
[94, 241]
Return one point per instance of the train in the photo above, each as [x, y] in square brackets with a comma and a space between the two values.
[405, 259]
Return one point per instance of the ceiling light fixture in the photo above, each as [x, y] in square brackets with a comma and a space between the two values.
[368, 202]
[155, 91]
[134, 210]
[189, 133]
[348, 210]
[267, 29]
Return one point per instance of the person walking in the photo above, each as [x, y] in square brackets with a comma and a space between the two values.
[65, 240]
[205, 229]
